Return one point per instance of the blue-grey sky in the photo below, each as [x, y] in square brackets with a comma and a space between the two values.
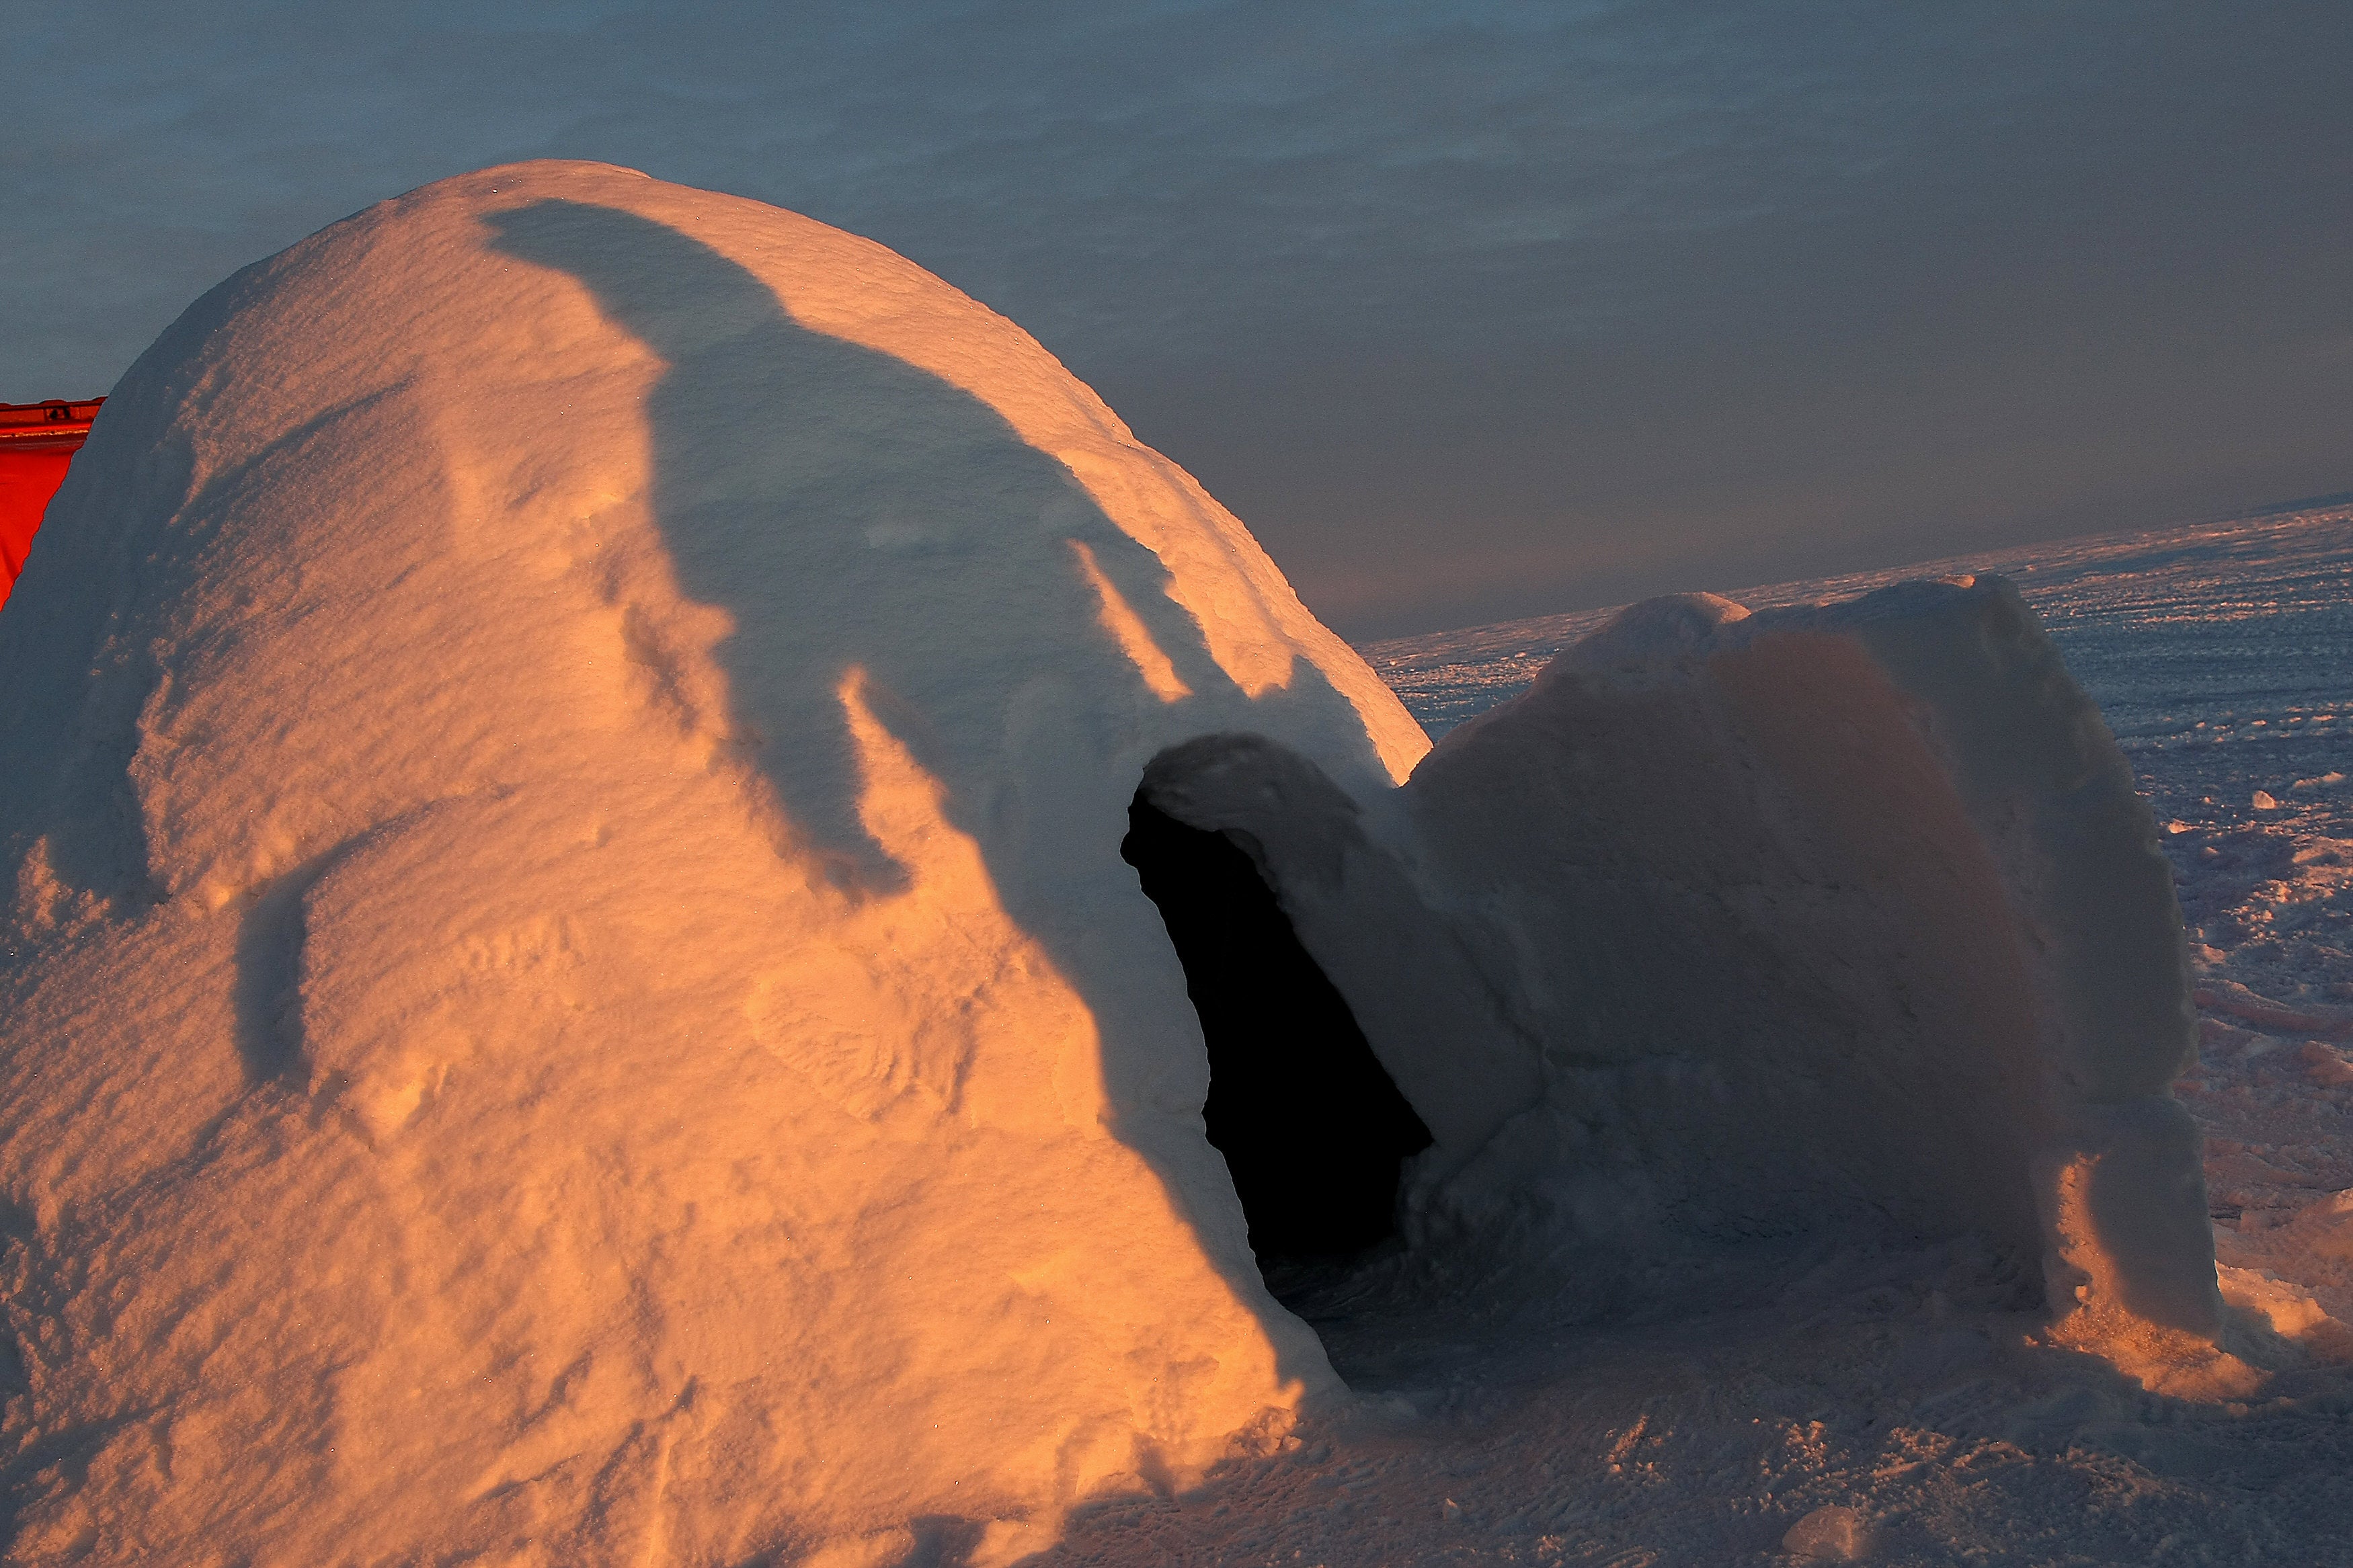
[1470, 310]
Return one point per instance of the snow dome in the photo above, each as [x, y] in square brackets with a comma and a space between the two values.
[637, 829]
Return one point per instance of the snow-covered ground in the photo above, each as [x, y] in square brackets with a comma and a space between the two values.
[1590, 1410]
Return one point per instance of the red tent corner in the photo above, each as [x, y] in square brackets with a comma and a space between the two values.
[37, 441]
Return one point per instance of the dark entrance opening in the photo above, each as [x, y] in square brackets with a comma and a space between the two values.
[1311, 1126]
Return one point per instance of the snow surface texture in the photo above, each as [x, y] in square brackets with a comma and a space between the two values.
[574, 995]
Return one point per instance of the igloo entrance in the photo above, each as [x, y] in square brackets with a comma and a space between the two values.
[1312, 1127]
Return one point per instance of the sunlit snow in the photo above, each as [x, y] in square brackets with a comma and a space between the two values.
[672, 906]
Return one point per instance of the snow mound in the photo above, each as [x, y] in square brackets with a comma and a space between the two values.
[1844, 910]
[1840, 919]
[1831, 1534]
[1747, 925]
[637, 830]
[574, 991]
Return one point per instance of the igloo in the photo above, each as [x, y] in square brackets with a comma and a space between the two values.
[612, 794]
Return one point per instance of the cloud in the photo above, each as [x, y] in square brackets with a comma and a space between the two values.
[1138, 177]
[1233, 209]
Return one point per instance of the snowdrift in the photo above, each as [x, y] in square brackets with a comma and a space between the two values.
[606, 785]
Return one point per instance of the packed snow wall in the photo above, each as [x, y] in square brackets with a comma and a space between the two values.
[565, 752]
[1844, 919]
[574, 989]
[1845, 914]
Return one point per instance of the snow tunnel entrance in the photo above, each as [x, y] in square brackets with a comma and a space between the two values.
[1312, 1127]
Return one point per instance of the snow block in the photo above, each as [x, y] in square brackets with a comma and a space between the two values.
[573, 994]
[1845, 913]
[2140, 1231]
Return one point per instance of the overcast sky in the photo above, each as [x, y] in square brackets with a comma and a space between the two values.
[1472, 311]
